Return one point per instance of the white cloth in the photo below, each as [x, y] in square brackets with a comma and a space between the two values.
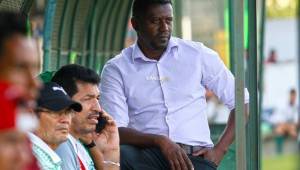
[46, 157]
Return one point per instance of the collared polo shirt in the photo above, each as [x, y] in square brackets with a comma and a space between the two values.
[70, 151]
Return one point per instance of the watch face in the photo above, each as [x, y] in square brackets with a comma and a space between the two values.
[101, 123]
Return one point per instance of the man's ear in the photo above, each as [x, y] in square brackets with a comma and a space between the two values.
[134, 23]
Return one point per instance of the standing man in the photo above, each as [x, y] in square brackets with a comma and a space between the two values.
[155, 90]
[54, 110]
[19, 66]
[81, 84]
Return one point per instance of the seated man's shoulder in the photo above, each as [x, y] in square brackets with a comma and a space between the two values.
[68, 156]
[64, 148]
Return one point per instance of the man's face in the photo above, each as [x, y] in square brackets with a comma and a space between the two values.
[54, 126]
[19, 65]
[154, 28]
[88, 96]
[15, 150]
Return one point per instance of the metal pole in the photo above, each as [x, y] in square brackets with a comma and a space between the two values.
[178, 17]
[49, 17]
[298, 36]
[71, 49]
[25, 8]
[60, 37]
[238, 54]
[261, 54]
[254, 118]
[261, 62]
[231, 33]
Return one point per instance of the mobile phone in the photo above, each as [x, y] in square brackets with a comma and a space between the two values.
[101, 123]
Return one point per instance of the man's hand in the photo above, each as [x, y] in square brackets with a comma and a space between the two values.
[176, 156]
[217, 153]
[108, 139]
[214, 155]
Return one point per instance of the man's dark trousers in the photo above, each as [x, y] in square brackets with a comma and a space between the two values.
[133, 158]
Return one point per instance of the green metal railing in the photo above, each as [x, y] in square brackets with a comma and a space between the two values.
[246, 157]
[16, 5]
[238, 55]
[261, 53]
[61, 36]
[298, 76]
[84, 32]
[253, 126]
[98, 25]
[177, 4]
[231, 39]
[48, 23]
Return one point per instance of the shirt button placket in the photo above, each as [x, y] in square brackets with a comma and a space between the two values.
[161, 82]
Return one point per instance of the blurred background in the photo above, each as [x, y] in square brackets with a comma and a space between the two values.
[60, 27]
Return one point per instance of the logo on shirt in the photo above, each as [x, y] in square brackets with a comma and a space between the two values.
[156, 78]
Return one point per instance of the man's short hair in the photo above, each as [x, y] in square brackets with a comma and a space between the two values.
[11, 24]
[68, 75]
[140, 6]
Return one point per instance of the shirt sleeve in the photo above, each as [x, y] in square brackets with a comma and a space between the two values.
[112, 96]
[218, 78]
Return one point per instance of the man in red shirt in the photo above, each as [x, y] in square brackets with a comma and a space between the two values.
[18, 90]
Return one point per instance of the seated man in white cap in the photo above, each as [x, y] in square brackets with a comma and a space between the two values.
[54, 110]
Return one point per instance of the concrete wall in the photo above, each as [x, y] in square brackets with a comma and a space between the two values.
[281, 34]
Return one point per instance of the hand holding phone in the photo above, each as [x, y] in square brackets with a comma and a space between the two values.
[102, 122]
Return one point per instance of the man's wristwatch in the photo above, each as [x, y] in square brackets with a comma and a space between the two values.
[92, 144]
